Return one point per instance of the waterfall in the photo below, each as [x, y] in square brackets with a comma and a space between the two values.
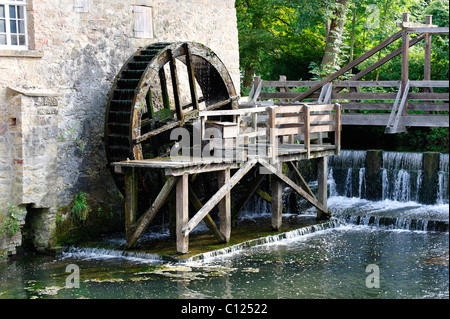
[442, 192]
[348, 168]
[334, 223]
[402, 176]
[390, 222]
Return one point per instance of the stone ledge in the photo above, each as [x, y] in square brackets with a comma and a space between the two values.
[21, 54]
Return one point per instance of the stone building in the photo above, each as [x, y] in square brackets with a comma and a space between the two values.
[58, 60]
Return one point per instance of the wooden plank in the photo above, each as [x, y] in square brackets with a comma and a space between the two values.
[294, 186]
[191, 76]
[426, 106]
[337, 128]
[277, 201]
[322, 128]
[197, 204]
[344, 84]
[291, 84]
[289, 120]
[294, 109]
[377, 119]
[131, 199]
[148, 216]
[321, 118]
[217, 197]
[429, 96]
[429, 84]
[322, 168]
[405, 61]
[182, 213]
[289, 131]
[232, 112]
[175, 85]
[427, 53]
[395, 107]
[221, 103]
[363, 96]
[283, 95]
[321, 107]
[272, 133]
[225, 206]
[438, 30]
[307, 128]
[348, 67]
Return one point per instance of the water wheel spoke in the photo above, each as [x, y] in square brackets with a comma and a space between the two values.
[191, 75]
[175, 85]
[186, 117]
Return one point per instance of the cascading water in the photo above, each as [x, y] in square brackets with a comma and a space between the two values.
[443, 192]
[401, 179]
[402, 176]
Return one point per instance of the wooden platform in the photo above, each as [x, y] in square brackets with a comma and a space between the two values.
[283, 137]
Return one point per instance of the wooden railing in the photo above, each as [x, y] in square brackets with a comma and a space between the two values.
[270, 125]
[395, 109]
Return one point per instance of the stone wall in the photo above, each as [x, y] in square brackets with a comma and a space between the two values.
[53, 97]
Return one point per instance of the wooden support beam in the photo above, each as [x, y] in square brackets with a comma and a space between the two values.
[225, 206]
[148, 216]
[405, 59]
[197, 204]
[217, 197]
[131, 199]
[300, 179]
[295, 187]
[277, 201]
[348, 67]
[182, 211]
[322, 183]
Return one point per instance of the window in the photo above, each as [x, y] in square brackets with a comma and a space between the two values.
[13, 24]
[143, 22]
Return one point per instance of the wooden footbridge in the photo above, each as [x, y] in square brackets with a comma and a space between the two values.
[158, 140]
[408, 103]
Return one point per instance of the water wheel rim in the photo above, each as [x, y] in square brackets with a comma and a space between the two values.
[203, 60]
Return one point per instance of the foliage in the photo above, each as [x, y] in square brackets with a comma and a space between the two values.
[288, 37]
[80, 209]
[10, 224]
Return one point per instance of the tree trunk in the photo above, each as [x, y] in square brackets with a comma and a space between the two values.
[334, 36]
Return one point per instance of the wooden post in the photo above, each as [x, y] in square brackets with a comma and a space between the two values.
[272, 135]
[225, 206]
[427, 62]
[176, 86]
[307, 137]
[277, 201]
[322, 185]
[405, 57]
[148, 216]
[182, 213]
[131, 199]
[427, 59]
[337, 128]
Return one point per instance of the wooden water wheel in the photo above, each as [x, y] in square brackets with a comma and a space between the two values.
[161, 86]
